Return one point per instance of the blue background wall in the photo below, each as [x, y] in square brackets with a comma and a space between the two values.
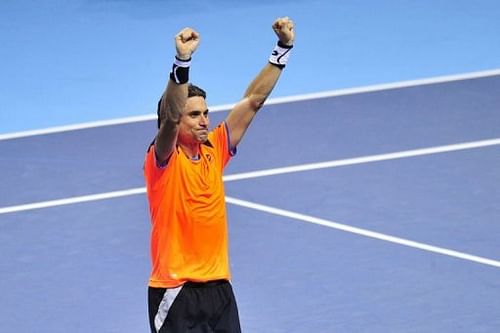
[71, 61]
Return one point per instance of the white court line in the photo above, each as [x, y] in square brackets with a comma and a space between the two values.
[72, 200]
[271, 101]
[387, 86]
[263, 173]
[363, 232]
[365, 159]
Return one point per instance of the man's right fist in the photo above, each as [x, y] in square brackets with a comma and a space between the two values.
[186, 42]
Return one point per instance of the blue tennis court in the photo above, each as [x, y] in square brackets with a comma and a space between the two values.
[364, 199]
[301, 211]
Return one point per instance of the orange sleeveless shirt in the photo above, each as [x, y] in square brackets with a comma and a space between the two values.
[189, 240]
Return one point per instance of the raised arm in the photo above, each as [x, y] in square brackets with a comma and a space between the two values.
[260, 88]
[174, 98]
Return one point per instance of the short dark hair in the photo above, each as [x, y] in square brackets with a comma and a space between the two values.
[193, 91]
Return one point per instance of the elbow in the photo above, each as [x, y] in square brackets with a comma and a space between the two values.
[256, 101]
[169, 118]
[170, 124]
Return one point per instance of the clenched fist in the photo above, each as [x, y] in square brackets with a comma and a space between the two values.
[283, 27]
[186, 42]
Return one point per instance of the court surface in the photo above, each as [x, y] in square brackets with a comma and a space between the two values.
[364, 198]
[370, 211]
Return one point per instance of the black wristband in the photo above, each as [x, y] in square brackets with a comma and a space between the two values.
[180, 71]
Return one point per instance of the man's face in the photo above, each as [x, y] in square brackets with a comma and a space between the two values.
[193, 127]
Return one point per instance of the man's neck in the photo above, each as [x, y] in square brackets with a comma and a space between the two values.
[192, 151]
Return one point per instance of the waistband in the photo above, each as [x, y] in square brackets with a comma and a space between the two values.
[214, 283]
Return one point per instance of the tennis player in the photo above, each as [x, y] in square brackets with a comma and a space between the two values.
[189, 288]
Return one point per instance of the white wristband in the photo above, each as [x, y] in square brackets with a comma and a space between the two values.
[280, 55]
[182, 63]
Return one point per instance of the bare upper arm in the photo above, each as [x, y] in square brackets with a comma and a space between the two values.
[240, 117]
[166, 138]
[256, 94]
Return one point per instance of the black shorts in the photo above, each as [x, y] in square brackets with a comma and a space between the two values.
[194, 307]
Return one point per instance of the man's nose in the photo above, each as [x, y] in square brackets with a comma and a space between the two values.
[203, 120]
